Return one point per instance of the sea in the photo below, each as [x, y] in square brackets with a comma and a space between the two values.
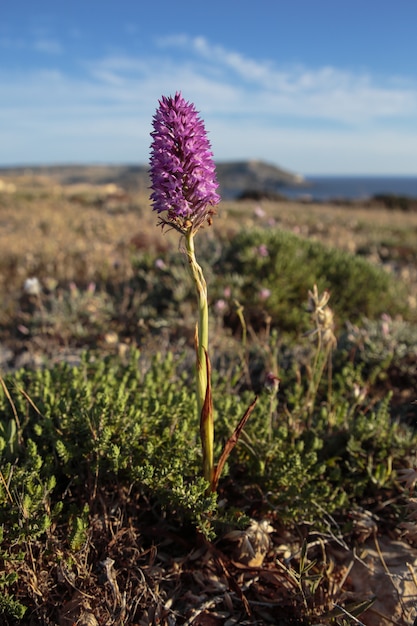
[327, 188]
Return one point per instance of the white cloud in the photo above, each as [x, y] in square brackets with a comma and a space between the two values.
[49, 46]
[39, 44]
[310, 151]
[306, 119]
[321, 93]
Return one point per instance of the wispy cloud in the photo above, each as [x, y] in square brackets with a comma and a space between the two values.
[37, 44]
[322, 93]
[49, 46]
[309, 119]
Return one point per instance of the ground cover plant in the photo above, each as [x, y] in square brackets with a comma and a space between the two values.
[105, 514]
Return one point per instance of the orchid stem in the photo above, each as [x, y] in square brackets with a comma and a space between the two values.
[204, 403]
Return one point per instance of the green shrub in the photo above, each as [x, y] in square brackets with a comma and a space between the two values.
[288, 266]
[83, 433]
[104, 423]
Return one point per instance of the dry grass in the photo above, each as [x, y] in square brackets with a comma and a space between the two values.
[43, 222]
[83, 234]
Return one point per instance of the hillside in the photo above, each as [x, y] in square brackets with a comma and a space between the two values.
[234, 177]
[240, 176]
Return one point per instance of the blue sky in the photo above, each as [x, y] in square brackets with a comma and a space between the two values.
[315, 86]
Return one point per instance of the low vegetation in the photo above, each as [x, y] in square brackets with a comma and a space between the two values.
[104, 515]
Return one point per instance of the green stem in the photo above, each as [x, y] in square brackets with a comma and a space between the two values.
[203, 383]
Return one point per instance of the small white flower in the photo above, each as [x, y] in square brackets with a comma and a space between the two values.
[32, 287]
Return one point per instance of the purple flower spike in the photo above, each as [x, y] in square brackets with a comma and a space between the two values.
[182, 168]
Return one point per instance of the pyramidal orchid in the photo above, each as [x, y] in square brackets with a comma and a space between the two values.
[184, 194]
[183, 173]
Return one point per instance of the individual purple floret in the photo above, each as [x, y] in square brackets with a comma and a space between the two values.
[182, 171]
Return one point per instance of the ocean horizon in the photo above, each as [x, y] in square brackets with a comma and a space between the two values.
[324, 188]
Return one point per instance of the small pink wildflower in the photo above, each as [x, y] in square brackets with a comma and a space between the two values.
[386, 321]
[271, 382]
[160, 264]
[264, 293]
[220, 306]
[259, 212]
[262, 250]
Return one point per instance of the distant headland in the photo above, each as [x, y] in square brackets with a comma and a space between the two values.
[235, 177]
